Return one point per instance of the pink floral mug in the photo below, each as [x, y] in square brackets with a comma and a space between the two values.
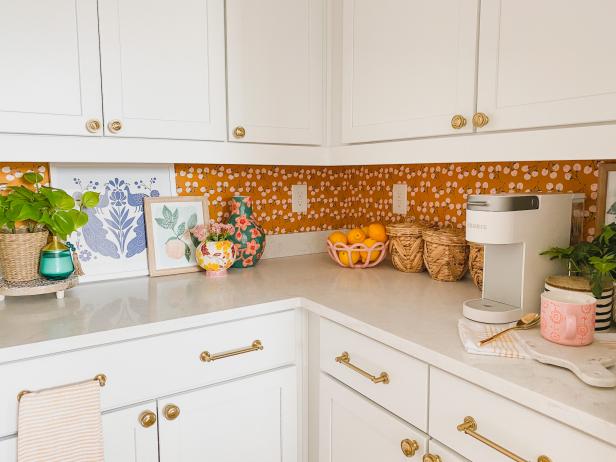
[568, 318]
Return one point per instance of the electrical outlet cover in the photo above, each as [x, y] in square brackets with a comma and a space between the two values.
[299, 198]
[400, 201]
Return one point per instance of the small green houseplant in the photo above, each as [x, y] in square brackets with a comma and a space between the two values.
[596, 260]
[28, 215]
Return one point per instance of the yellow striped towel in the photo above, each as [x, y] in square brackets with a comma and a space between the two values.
[508, 345]
[61, 425]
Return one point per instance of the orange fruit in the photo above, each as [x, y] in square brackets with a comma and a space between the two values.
[365, 229]
[377, 232]
[343, 255]
[337, 237]
[355, 236]
[373, 254]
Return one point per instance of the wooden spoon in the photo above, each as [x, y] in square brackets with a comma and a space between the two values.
[527, 321]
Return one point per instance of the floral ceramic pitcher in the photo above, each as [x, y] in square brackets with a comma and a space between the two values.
[249, 237]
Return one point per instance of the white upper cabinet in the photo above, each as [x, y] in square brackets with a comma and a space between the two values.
[163, 67]
[275, 71]
[49, 67]
[546, 63]
[408, 68]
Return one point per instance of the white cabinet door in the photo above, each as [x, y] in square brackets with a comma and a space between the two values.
[275, 70]
[8, 449]
[163, 67]
[127, 439]
[251, 419]
[408, 68]
[49, 66]
[443, 453]
[547, 63]
[352, 428]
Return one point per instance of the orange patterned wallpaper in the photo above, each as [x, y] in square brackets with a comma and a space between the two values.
[351, 196]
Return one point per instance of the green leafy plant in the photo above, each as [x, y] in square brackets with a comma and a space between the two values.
[594, 260]
[41, 207]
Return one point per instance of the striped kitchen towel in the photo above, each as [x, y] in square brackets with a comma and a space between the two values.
[508, 345]
[61, 425]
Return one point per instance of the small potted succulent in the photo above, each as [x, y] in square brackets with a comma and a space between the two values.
[215, 253]
[28, 216]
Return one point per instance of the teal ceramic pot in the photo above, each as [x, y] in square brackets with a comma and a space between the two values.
[249, 237]
[56, 261]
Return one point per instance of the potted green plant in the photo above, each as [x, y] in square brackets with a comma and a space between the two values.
[27, 216]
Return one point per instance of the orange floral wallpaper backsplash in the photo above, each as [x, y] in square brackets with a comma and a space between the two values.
[351, 196]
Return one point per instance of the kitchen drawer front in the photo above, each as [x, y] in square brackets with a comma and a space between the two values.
[516, 428]
[438, 452]
[406, 394]
[354, 429]
[151, 367]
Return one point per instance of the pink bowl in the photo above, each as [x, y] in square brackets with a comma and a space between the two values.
[380, 247]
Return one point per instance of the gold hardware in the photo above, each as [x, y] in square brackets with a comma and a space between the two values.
[206, 357]
[431, 458]
[114, 126]
[171, 411]
[480, 120]
[409, 447]
[93, 125]
[469, 427]
[345, 359]
[100, 378]
[458, 121]
[239, 132]
[147, 419]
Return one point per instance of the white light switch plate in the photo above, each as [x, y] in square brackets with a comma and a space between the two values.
[299, 198]
[400, 201]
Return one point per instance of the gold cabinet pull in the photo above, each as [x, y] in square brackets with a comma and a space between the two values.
[409, 447]
[458, 121]
[345, 360]
[431, 458]
[480, 120]
[93, 125]
[171, 412]
[239, 132]
[147, 419]
[206, 357]
[114, 126]
[469, 427]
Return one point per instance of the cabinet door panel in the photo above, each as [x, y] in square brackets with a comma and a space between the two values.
[126, 440]
[275, 70]
[50, 74]
[250, 419]
[163, 68]
[547, 63]
[408, 67]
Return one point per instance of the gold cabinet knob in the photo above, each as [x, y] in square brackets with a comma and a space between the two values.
[114, 126]
[239, 132]
[458, 121]
[147, 419]
[409, 447]
[171, 411]
[431, 458]
[480, 120]
[93, 125]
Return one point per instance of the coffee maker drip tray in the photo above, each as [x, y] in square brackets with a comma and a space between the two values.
[491, 312]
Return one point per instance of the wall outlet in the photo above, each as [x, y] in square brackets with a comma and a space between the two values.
[299, 198]
[400, 201]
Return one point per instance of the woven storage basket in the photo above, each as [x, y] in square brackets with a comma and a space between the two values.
[20, 254]
[445, 254]
[406, 246]
[475, 263]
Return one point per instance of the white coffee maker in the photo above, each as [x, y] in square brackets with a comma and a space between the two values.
[514, 229]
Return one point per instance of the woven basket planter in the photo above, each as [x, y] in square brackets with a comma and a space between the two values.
[406, 246]
[475, 263]
[20, 254]
[445, 254]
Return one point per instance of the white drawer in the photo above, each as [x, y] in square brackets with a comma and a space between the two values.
[406, 394]
[438, 452]
[151, 367]
[512, 426]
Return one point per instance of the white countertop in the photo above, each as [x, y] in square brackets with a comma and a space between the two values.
[409, 312]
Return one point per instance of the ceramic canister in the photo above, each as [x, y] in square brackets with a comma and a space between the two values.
[568, 318]
[249, 237]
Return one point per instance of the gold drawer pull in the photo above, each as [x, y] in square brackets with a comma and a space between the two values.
[345, 359]
[100, 378]
[147, 419]
[206, 357]
[431, 458]
[171, 412]
[469, 426]
[409, 447]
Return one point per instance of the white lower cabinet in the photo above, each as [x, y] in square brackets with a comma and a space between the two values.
[249, 419]
[8, 449]
[438, 452]
[352, 428]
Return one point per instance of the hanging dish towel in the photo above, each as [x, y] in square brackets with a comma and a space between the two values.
[508, 345]
[61, 425]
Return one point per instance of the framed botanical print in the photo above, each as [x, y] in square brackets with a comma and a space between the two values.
[606, 200]
[169, 221]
